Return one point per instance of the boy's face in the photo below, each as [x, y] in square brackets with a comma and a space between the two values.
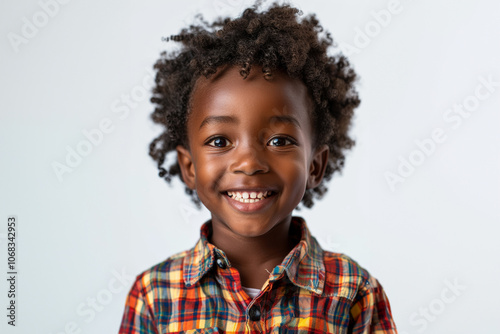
[250, 156]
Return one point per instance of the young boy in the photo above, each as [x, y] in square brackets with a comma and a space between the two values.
[258, 115]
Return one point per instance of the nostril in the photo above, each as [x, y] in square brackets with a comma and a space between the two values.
[248, 161]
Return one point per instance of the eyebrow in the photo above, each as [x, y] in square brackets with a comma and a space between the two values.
[218, 119]
[286, 119]
[229, 119]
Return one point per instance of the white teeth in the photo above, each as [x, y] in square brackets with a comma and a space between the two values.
[246, 197]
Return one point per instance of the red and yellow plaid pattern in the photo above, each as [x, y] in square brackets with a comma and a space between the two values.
[311, 291]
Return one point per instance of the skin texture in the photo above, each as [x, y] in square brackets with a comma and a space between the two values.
[255, 135]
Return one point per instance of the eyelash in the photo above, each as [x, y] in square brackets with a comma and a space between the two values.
[213, 139]
[288, 139]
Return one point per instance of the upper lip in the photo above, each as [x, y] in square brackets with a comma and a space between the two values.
[251, 189]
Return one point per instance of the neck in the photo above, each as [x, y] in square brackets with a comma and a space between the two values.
[267, 250]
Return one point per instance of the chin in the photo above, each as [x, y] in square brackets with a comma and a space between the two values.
[249, 226]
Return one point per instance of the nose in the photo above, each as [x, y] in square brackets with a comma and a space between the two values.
[248, 158]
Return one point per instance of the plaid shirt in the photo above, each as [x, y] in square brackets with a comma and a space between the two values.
[312, 291]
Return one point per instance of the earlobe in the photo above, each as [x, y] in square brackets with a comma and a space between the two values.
[186, 164]
[318, 167]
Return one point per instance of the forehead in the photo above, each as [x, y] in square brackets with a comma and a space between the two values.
[227, 92]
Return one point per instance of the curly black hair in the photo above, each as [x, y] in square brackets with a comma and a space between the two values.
[275, 40]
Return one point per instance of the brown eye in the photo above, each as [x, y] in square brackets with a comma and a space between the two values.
[219, 142]
[279, 141]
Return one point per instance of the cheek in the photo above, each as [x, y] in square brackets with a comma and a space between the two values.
[209, 170]
[294, 175]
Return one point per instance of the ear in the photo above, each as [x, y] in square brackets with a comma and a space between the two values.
[318, 166]
[186, 163]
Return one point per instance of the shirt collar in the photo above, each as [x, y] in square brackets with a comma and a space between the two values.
[304, 264]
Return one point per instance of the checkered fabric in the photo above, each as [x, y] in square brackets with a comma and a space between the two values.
[311, 291]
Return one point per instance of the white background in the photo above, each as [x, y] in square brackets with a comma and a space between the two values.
[112, 213]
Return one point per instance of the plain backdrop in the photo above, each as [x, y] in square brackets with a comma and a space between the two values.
[430, 235]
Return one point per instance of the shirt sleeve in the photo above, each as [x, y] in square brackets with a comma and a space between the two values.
[137, 316]
[371, 311]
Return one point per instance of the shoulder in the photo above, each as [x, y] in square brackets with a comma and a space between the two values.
[162, 274]
[340, 264]
[151, 291]
[370, 309]
[345, 277]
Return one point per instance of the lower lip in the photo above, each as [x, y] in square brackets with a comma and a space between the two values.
[250, 207]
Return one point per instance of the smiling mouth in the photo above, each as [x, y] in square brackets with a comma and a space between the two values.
[249, 196]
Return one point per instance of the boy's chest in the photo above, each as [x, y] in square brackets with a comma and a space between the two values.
[282, 308]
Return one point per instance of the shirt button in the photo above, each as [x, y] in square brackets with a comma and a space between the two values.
[221, 263]
[254, 313]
